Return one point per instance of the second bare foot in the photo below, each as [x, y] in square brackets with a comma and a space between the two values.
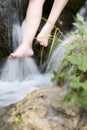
[42, 39]
[44, 35]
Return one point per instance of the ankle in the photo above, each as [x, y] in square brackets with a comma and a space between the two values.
[27, 44]
[47, 28]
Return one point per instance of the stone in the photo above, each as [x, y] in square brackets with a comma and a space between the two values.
[46, 110]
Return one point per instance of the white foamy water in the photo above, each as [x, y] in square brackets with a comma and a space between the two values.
[12, 92]
[17, 70]
[58, 54]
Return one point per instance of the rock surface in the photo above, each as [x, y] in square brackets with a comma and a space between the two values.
[45, 110]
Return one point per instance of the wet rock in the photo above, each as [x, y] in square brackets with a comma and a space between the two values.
[5, 113]
[45, 110]
[82, 124]
[84, 128]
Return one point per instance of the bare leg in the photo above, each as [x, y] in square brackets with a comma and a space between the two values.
[56, 10]
[32, 21]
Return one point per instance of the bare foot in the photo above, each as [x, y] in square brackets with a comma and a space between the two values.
[43, 36]
[22, 51]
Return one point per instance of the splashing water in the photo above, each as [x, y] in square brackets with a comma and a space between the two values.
[21, 76]
[58, 54]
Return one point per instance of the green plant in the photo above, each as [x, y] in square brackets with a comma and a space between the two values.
[74, 66]
[17, 117]
[54, 40]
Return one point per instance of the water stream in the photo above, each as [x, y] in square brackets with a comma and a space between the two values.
[19, 77]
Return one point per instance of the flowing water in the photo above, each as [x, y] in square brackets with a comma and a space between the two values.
[19, 77]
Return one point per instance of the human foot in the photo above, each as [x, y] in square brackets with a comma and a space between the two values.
[22, 51]
[44, 35]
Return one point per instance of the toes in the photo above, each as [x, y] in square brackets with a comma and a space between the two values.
[39, 39]
[13, 56]
[22, 55]
[42, 41]
[45, 44]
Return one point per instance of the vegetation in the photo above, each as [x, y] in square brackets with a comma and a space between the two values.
[74, 66]
[17, 117]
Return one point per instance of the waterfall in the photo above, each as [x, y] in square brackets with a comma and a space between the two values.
[58, 54]
[19, 69]
[21, 76]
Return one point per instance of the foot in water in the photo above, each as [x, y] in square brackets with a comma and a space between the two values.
[22, 51]
[25, 50]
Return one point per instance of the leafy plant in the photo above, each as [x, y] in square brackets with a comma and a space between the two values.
[53, 38]
[74, 66]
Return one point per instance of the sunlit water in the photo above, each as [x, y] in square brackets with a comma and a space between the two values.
[19, 77]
